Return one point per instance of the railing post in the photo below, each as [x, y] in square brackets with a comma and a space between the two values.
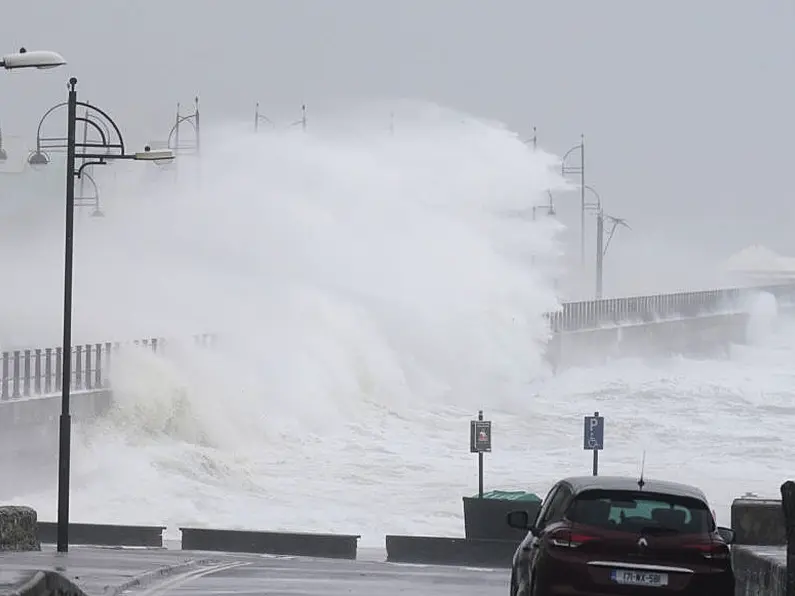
[5, 395]
[17, 364]
[98, 366]
[26, 382]
[47, 371]
[58, 368]
[37, 372]
[109, 360]
[89, 380]
[77, 374]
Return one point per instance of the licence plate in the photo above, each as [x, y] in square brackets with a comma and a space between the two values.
[638, 578]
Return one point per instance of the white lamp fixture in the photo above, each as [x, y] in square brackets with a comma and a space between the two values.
[159, 155]
[35, 59]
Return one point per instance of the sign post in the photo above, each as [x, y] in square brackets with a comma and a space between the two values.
[480, 443]
[594, 438]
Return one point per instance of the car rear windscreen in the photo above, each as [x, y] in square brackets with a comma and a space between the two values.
[635, 511]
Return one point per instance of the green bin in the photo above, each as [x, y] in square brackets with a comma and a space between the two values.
[484, 519]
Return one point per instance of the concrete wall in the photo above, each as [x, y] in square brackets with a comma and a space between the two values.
[759, 571]
[29, 437]
[708, 334]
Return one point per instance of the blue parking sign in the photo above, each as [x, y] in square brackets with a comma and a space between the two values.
[594, 433]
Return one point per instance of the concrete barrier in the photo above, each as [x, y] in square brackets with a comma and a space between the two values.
[46, 583]
[104, 534]
[435, 550]
[327, 546]
[761, 571]
[18, 529]
[758, 522]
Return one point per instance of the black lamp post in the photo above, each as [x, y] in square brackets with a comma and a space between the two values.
[564, 169]
[111, 147]
[601, 245]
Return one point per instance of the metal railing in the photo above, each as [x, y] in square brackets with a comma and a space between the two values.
[38, 371]
[591, 314]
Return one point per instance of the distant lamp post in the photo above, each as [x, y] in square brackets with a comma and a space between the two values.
[193, 119]
[41, 59]
[601, 245]
[93, 153]
[259, 117]
[302, 121]
[533, 140]
[566, 169]
[549, 207]
[92, 200]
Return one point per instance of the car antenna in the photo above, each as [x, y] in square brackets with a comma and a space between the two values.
[641, 482]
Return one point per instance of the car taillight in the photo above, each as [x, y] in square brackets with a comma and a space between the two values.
[569, 539]
[717, 551]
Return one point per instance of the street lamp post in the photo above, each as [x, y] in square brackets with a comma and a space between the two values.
[194, 121]
[601, 245]
[549, 207]
[260, 117]
[302, 121]
[533, 140]
[91, 154]
[83, 200]
[564, 169]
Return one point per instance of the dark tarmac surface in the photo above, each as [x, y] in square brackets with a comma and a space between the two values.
[110, 572]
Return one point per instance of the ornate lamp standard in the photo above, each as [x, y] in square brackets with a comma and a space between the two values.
[110, 147]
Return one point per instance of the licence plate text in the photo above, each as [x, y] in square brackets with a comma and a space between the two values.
[639, 578]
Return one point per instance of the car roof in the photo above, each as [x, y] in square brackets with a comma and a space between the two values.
[583, 483]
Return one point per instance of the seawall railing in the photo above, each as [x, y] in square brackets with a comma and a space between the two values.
[38, 371]
[591, 314]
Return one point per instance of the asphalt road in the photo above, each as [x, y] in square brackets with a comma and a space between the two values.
[142, 572]
[307, 577]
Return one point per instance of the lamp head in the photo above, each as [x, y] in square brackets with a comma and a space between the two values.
[156, 155]
[36, 59]
[38, 159]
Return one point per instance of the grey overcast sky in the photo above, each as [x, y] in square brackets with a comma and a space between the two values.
[686, 105]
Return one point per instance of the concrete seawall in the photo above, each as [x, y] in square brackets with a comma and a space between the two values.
[707, 334]
[584, 333]
[29, 436]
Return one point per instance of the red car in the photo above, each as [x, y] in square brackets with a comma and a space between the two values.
[600, 536]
